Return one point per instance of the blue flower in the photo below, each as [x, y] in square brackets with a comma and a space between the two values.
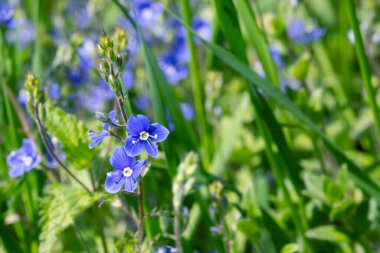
[187, 111]
[173, 69]
[203, 29]
[54, 91]
[96, 137]
[298, 33]
[277, 57]
[142, 134]
[24, 159]
[22, 34]
[127, 171]
[165, 249]
[128, 79]
[148, 12]
[6, 15]
[22, 97]
[77, 75]
[57, 149]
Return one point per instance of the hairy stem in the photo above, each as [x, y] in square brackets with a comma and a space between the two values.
[52, 153]
[177, 231]
[140, 227]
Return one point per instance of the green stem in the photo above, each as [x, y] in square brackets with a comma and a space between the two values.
[364, 65]
[195, 77]
[140, 227]
[51, 151]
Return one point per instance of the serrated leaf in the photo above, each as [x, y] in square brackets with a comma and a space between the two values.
[328, 233]
[59, 208]
[73, 135]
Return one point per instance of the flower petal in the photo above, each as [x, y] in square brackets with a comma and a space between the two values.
[29, 147]
[130, 184]
[158, 132]
[112, 114]
[151, 148]
[137, 124]
[133, 149]
[138, 168]
[114, 182]
[120, 160]
[16, 172]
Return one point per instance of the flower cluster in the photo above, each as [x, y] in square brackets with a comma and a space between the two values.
[299, 33]
[6, 15]
[141, 135]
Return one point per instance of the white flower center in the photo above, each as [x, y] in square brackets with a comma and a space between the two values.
[26, 160]
[147, 14]
[127, 172]
[144, 136]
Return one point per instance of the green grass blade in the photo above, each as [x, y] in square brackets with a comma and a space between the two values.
[256, 38]
[364, 65]
[197, 85]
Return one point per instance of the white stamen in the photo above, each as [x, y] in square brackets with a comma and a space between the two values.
[144, 136]
[134, 142]
[27, 160]
[127, 172]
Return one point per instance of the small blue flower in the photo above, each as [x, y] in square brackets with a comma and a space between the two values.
[77, 75]
[127, 171]
[128, 79]
[142, 102]
[148, 12]
[54, 91]
[298, 33]
[173, 69]
[187, 111]
[24, 159]
[6, 15]
[203, 29]
[165, 249]
[96, 137]
[142, 134]
[22, 97]
[277, 57]
[57, 149]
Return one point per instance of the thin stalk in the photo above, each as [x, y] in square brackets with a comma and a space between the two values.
[140, 227]
[108, 149]
[195, 77]
[52, 153]
[99, 222]
[122, 109]
[364, 65]
[177, 231]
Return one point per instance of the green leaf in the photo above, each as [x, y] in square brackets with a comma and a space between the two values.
[290, 248]
[72, 133]
[59, 208]
[249, 228]
[328, 233]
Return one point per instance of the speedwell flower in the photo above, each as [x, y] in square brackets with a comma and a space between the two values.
[142, 134]
[6, 15]
[299, 33]
[127, 171]
[23, 159]
[96, 137]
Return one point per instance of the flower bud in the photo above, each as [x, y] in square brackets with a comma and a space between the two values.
[111, 54]
[101, 51]
[113, 83]
[104, 67]
[101, 116]
[120, 63]
[31, 82]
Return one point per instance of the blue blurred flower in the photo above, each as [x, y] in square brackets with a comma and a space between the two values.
[291, 84]
[203, 28]
[187, 110]
[76, 75]
[6, 15]
[298, 33]
[96, 98]
[148, 12]
[22, 99]
[57, 149]
[87, 55]
[22, 34]
[174, 70]
[96, 137]
[142, 102]
[128, 78]
[127, 171]
[24, 159]
[54, 91]
[142, 134]
[165, 249]
[277, 57]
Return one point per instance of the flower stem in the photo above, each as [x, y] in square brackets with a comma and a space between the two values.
[140, 228]
[121, 107]
[177, 231]
[52, 153]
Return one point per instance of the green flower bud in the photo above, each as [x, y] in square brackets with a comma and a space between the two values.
[111, 54]
[104, 67]
[113, 83]
[31, 82]
[120, 63]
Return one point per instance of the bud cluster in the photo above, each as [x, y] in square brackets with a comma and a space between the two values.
[185, 179]
[113, 58]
